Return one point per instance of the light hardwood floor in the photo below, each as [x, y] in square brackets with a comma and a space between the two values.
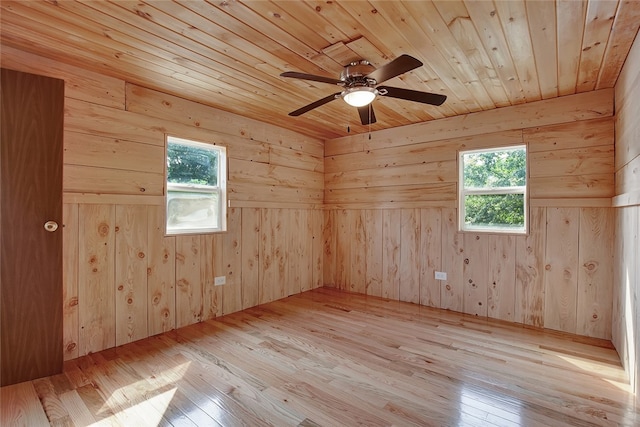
[331, 358]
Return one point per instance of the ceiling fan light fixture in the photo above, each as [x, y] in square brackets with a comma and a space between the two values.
[359, 96]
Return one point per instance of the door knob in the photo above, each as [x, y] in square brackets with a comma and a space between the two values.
[51, 226]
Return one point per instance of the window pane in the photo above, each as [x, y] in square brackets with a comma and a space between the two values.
[494, 211]
[187, 210]
[187, 164]
[505, 168]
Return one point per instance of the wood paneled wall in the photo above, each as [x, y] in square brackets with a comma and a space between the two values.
[392, 218]
[389, 220]
[557, 277]
[626, 293]
[124, 279]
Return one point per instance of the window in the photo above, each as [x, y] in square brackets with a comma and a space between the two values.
[196, 187]
[493, 190]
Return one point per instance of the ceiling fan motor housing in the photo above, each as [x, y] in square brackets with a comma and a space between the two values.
[354, 74]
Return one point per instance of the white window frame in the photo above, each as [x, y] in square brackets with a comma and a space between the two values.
[489, 191]
[220, 190]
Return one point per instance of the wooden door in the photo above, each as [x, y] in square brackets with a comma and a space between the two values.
[32, 114]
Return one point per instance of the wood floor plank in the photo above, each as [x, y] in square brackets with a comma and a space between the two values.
[78, 412]
[53, 407]
[328, 357]
[19, 405]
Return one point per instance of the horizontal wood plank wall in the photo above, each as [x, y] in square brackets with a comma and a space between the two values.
[559, 276]
[626, 308]
[124, 279]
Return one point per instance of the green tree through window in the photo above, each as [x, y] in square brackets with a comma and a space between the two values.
[196, 187]
[187, 164]
[493, 187]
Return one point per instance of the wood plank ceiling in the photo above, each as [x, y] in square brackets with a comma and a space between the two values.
[229, 54]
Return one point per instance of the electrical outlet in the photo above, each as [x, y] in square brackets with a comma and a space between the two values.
[441, 275]
[220, 280]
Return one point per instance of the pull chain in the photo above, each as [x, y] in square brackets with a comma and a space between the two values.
[369, 121]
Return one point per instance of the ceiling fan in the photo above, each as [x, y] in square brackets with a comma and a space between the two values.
[360, 80]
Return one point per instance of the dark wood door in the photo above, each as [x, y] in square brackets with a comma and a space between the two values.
[32, 115]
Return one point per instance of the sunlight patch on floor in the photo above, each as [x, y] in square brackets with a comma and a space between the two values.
[596, 369]
[150, 411]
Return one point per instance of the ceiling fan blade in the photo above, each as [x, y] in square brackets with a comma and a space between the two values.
[367, 116]
[311, 77]
[313, 105]
[412, 95]
[398, 66]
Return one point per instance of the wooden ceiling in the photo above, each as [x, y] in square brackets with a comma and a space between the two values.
[229, 54]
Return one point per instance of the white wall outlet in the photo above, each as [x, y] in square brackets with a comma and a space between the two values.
[220, 280]
[441, 275]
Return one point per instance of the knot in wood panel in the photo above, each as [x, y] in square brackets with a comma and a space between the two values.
[103, 229]
[155, 299]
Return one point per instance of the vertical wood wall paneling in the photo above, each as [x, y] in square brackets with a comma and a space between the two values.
[211, 265]
[530, 270]
[268, 258]
[305, 250]
[430, 256]
[410, 255]
[273, 255]
[188, 281]
[626, 315]
[317, 250]
[282, 257]
[391, 221]
[631, 255]
[358, 253]
[632, 294]
[161, 273]
[475, 273]
[452, 289]
[232, 262]
[250, 257]
[329, 234]
[374, 252]
[96, 278]
[131, 273]
[561, 265]
[619, 291]
[295, 225]
[70, 281]
[595, 288]
[344, 220]
[501, 298]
